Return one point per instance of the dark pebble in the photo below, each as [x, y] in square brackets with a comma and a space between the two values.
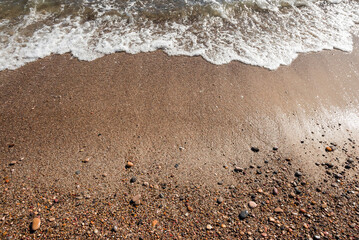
[255, 149]
[275, 148]
[298, 174]
[77, 172]
[243, 214]
[176, 165]
[133, 179]
[161, 195]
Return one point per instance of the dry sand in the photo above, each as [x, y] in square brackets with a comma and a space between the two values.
[188, 127]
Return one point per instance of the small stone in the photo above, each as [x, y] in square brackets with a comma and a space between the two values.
[133, 179]
[115, 228]
[271, 219]
[264, 234]
[316, 237]
[329, 165]
[36, 222]
[136, 200]
[275, 148]
[146, 184]
[328, 149]
[302, 210]
[255, 149]
[243, 214]
[209, 227]
[129, 164]
[298, 174]
[278, 210]
[223, 225]
[259, 190]
[219, 200]
[52, 219]
[95, 231]
[77, 172]
[338, 176]
[252, 204]
[275, 191]
[238, 169]
[161, 195]
[86, 160]
[189, 208]
[12, 163]
[154, 223]
[350, 160]
[176, 165]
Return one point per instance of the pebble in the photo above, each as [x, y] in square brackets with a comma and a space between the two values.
[95, 231]
[223, 225]
[252, 204]
[133, 179]
[161, 195]
[243, 214]
[154, 223]
[12, 163]
[190, 209]
[328, 149]
[238, 169]
[52, 219]
[278, 210]
[115, 228]
[275, 191]
[209, 227]
[129, 165]
[337, 175]
[86, 160]
[255, 149]
[36, 222]
[298, 174]
[271, 219]
[219, 200]
[136, 200]
[77, 172]
[275, 148]
[146, 184]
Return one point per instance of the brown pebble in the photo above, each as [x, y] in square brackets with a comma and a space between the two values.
[190, 209]
[278, 210]
[136, 200]
[154, 223]
[129, 164]
[271, 219]
[260, 190]
[52, 219]
[12, 163]
[223, 225]
[86, 160]
[275, 191]
[36, 222]
[302, 210]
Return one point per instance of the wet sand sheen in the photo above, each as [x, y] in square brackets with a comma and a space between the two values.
[158, 111]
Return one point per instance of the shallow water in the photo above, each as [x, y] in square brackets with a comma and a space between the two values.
[258, 32]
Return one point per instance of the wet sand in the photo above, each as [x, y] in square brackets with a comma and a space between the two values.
[188, 127]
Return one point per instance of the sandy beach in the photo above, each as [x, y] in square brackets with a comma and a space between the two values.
[218, 151]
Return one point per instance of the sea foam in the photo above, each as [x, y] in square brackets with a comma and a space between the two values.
[261, 33]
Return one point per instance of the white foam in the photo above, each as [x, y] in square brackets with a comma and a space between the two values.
[267, 39]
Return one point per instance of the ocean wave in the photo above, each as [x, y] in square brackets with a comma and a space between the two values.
[259, 32]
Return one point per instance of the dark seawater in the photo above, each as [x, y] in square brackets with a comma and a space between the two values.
[258, 32]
